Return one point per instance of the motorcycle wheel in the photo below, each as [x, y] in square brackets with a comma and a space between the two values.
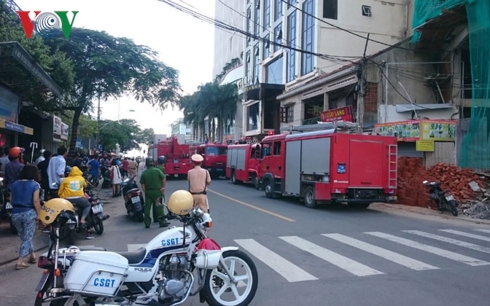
[98, 226]
[248, 281]
[452, 206]
[140, 216]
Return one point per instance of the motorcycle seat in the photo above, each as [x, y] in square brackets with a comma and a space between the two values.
[131, 190]
[135, 256]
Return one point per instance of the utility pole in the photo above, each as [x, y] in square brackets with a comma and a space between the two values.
[361, 76]
[98, 126]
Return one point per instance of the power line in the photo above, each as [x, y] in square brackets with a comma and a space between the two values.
[230, 28]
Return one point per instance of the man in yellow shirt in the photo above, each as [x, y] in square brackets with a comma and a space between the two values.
[72, 189]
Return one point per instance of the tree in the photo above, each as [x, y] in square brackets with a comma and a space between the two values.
[213, 101]
[87, 127]
[126, 133]
[53, 62]
[107, 66]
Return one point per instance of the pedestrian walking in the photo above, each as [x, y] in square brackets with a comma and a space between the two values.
[199, 179]
[24, 197]
[152, 182]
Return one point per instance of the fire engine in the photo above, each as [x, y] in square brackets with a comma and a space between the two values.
[177, 154]
[324, 167]
[214, 157]
[242, 163]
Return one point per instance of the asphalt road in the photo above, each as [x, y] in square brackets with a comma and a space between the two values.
[327, 256]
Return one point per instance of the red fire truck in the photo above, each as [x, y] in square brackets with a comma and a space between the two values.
[214, 157]
[324, 167]
[178, 156]
[242, 163]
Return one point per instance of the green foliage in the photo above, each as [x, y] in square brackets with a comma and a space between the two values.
[127, 133]
[54, 63]
[108, 66]
[87, 127]
[211, 100]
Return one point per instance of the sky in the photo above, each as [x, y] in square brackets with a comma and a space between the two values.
[182, 42]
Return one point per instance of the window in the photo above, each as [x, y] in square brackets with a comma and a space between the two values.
[216, 150]
[308, 22]
[330, 9]
[249, 24]
[291, 71]
[253, 116]
[277, 148]
[256, 63]
[287, 114]
[267, 50]
[278, 10]
[257, 17]
[267, 14]
[274, 72]
[292, 3]
[248, 68]
[278, 36]
[266, 149]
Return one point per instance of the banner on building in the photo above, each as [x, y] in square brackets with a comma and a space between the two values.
[337, 114]
[64, 131]
[56, 125]
[414, 130]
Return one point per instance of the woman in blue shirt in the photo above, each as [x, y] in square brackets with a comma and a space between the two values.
[24, 196]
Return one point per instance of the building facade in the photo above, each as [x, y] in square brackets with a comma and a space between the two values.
[295, 41]
[178, 127]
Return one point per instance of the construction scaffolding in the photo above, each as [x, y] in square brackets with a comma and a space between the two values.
[475, 151]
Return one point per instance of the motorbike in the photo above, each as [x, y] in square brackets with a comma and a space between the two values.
[443, 198]
[4, 194]
[163, 272]
[133, 199]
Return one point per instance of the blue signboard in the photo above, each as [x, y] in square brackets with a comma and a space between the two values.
[14, 127]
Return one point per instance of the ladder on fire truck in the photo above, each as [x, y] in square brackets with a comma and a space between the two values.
[392, 166]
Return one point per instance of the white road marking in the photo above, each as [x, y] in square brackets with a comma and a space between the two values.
[285, 268]
[483, 230]
[338, 260]
[427, 248]
[464, 234]
[386, 254]
[452, 241]
[134, 247]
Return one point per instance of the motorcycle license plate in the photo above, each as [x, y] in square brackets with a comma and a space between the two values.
[97, 209]
[449, 198]
[43, 280]
[8, 206]
[135, 200]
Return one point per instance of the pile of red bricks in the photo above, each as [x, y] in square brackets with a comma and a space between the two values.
[411, 174]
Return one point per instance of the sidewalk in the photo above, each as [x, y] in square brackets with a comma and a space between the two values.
[424, 213]
[9, 243]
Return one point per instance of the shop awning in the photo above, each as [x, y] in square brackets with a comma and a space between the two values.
[262, 91]
[18, 69]
[403, 108]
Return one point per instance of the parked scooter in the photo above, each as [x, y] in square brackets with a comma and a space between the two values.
[443, 198]
[4, 194]
[133, 199]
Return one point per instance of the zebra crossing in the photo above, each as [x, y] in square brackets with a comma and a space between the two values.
[292, 272]
[471, 252]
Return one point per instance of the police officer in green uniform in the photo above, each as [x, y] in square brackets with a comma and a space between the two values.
[152, 182]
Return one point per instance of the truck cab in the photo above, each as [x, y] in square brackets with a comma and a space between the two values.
[214, 158]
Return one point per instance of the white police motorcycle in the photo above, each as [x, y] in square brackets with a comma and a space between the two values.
[178, 263]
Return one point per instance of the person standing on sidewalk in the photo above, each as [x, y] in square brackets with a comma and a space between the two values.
[199, 179]
[26, 206]
[152, 182]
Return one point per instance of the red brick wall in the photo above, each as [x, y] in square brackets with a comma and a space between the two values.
[371, 98]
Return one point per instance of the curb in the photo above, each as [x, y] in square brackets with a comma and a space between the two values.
[425, 212]
[10, 253]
